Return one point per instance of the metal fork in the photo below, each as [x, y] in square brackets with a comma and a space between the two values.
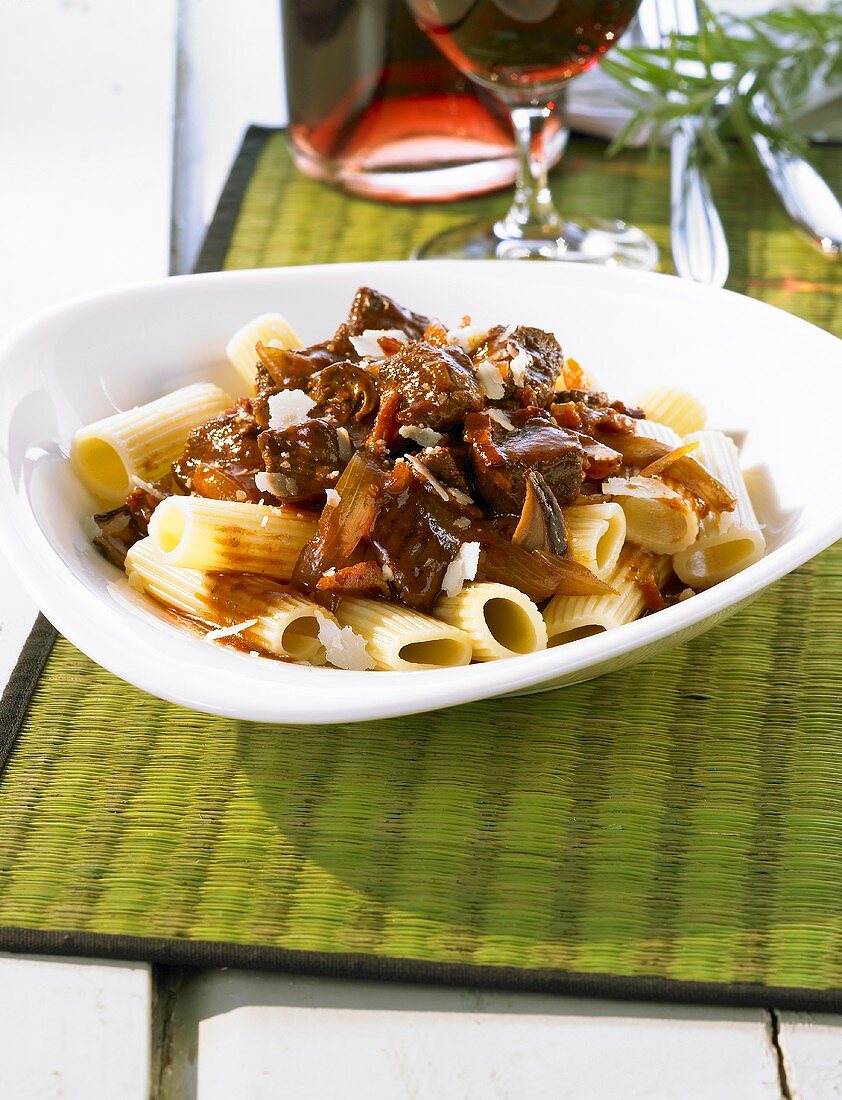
[699, 248]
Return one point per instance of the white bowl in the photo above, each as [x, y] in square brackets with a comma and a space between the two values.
[774, 381]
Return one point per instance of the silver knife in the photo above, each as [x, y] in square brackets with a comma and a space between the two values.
[699, 248]
[804, 195]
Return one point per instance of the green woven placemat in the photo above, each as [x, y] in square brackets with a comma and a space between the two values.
[673, 831]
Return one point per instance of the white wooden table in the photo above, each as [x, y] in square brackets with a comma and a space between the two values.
[94, 191]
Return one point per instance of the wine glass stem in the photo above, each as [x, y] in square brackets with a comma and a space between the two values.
[532, 215]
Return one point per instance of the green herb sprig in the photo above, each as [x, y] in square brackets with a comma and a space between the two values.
[716, 74]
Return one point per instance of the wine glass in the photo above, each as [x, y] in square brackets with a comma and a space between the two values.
[525, 52]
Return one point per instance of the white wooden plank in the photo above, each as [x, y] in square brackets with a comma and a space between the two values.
[811, 1045]
[76, 1029]
[87, 92]
[273, 1036]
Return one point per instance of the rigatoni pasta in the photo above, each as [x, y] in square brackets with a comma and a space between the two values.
[636, 574]
[270, 329]
[268, 618]
[228, 536]
[499, 620]
[728, 542]
[142, 442]
[676, 409]
[410, 495]
[399, 639]
[658, 517]
[596, 534]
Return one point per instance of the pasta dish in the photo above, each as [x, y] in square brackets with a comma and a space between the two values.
[406, 496]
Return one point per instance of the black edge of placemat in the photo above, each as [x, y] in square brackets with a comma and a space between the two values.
[218, 238]
[22, 684]
[210, 954]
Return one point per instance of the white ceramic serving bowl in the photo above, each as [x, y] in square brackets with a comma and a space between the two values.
[772, 380]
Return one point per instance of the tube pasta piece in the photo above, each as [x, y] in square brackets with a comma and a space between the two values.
[572, 617]
[402, 640]
[728, 542]
[278, 621]
[595, 534]
[142, 442]
[499, 620]
[675, 409]
[658, 517]
[229, 537]
[271, 329]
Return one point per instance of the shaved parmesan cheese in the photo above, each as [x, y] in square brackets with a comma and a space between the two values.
[288, 408]
[491, 381]
[646, 488]
[367, 345]
[228, 631]
[424, 437]
[388, 575]
[343, 647]
[463, 521]
[468, 337]
[423, 472]
[279, 485]
[332, 497]
[264, 521]
[459, 496]
[463, 568]
[518, 367]
[501, 418]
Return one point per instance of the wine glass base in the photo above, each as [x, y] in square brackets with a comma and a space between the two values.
[586, 241]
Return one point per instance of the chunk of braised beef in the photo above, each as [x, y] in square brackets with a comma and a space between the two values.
[303, 460]
[597, 399]
[372, 310]
[436, 386]
[600, 460]
[581, 417]
[416, 535]
[343, 392]
[529, 361]
[501, 459]
[221, 453]
[450, 465]
[363, 579]
[547, 361]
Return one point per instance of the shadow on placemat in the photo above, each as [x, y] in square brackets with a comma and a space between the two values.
[679, 820]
